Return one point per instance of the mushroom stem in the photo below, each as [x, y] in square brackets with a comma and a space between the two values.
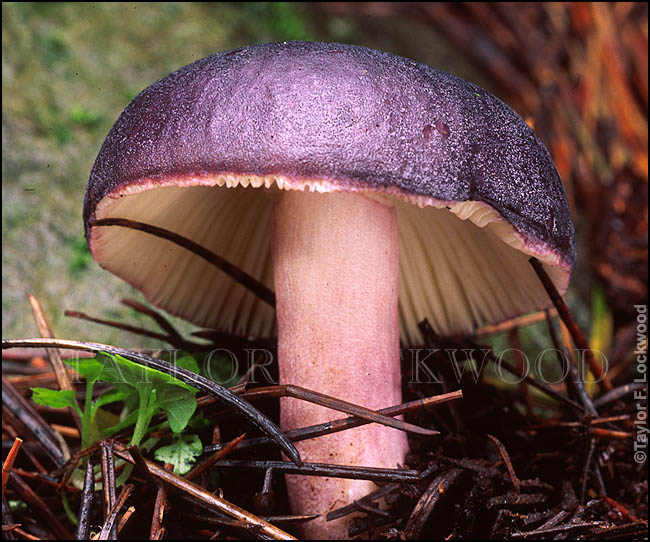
[335, 259]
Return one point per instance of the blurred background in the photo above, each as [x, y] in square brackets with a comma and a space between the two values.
[577, 72]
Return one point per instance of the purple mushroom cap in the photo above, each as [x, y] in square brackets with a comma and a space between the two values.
[215, 135]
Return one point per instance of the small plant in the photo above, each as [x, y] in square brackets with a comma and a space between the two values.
[144, 391]
[182, 453]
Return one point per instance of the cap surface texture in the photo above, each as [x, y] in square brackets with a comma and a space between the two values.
[203, 151]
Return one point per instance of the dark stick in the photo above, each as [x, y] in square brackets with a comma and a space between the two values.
[156, 530]
[26, 355]
[549, 534]
[173, 339]
[469, 464]
[349, 508]
[557, 518]
[621, 532]
[591, 422]
[159, 318]
[562, 359]
[427, 502]
[33, 422]
[356, 410]
[108, 480]
[33, 500]
[141, 464]
[109, 527]
[46, 480]
[577, 335]
[252, 532]
[271, 519]
[323, 469]
[585, 472]
[223, 394]
[579, 386]
[575, 377]
[574, 382]
[7, 520]
[371, 510]
[492, 472]
[54, 356]
[536, 384]
[227, 340]
[431, 340]
[85, 509]
[125, 518]
[17, 368]
[219, 454]
[8, 422]
[268, 477]
[118, 325]
[601, 489]
[216, 503]
[264, 500]
[617, 393]
[334, 426]
[514, 499]
[513, 337]
[287, 390]
[68, 469]
[243, 278]
[506, 460]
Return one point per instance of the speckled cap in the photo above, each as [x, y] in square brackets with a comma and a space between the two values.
[202, 151]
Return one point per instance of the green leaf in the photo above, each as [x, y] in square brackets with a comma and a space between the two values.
[119, 370]
[178, 404]
[89, 368]
[220, 369]
[101, 420]
[106, 398]
[187, 361]
[128, 421]
[199, 422]
[182, 453]
[149, 444]
[131, 397]
[55, 398]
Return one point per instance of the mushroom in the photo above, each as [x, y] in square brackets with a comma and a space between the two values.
[368, 190]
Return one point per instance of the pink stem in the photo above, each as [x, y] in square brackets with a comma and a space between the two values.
[335, 259]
